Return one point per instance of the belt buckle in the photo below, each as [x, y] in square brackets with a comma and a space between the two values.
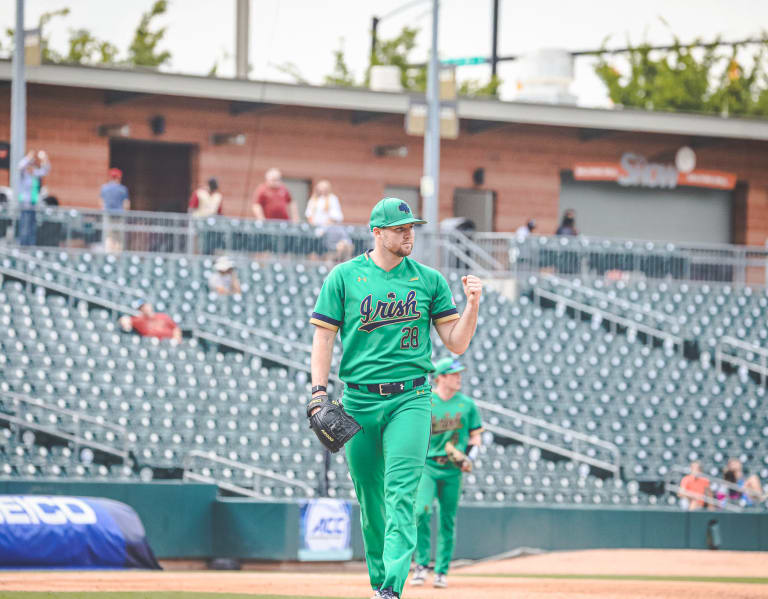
[381, 389]
[401, 387]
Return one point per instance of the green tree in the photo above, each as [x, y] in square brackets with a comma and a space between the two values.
[476, 89]
[396, 51]
[341, 75]
[143, 50]
[84, 48]
[688, 78]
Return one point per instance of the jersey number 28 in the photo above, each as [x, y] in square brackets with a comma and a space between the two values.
[410, 337]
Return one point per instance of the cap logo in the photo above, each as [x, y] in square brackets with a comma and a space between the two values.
[403, 207]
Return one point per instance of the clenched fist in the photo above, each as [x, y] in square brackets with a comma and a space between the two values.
[473, 288]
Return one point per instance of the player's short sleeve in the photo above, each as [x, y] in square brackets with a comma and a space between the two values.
[474, 421]
[329, 308]
[443, 309]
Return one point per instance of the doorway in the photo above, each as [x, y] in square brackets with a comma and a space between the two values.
[158, 175]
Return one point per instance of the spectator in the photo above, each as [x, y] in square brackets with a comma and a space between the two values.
[224, 281]
[206, 201]
[324, 213]
[568, 224]
[523, 231]
[114, 201]
[272, 200]
[151, 324]
[694, 487]
[114, 195]
[751, 488]
[33, 167]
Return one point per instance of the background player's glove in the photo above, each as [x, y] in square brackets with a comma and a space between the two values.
[458, 457]
[332, 425]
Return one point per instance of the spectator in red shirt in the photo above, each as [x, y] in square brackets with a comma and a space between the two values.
[151, 324]
[695, 488]
[272, 200]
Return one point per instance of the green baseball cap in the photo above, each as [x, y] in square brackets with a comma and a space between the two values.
[447, 366]
[392, 212]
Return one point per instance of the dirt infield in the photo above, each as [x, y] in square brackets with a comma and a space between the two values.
[522, 578]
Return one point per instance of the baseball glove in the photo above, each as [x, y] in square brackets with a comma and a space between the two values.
[458, 457]
[332, 425]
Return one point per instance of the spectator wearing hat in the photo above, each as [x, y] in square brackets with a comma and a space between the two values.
[523, 231]
[224, 280]
[114, 201]
[114, 195]
[149, 323]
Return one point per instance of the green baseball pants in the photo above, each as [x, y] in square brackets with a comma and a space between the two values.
[444, 484]
[385, 461]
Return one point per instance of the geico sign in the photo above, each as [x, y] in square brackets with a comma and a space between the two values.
[34, 509]
[638, 171]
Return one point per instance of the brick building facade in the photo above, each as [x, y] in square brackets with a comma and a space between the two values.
[316, 133]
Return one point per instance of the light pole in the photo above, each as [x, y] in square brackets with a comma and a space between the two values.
[430, 182]
[18, 102]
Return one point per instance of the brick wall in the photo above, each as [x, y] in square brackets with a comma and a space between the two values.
[522, 163]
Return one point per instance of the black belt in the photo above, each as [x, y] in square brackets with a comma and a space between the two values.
[391, 388]
[441, 459]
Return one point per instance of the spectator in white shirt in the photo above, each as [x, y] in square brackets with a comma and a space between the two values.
[525, 230]
[324, 213]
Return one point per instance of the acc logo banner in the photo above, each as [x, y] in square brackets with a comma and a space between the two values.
[325, 530]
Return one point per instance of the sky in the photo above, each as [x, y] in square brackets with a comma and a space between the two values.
[305, 33]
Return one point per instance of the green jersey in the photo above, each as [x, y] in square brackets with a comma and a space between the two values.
[383, 318]
[453, 421]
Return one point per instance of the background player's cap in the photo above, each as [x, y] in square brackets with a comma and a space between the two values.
[392, 212]
[447, 366]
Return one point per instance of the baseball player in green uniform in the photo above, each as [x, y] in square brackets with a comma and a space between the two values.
[456, 433]
[382, 303]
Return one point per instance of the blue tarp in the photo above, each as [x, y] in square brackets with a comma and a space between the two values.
[71, 532]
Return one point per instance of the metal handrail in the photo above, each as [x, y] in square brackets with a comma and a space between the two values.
[677, 490]
[712, 479]
[55, 266]
[568, 453]
[74, 414]
[651, 331]
[621, 303]
[258, 332]
[197, 332]
[109, 305]
[76, 440]
[722, 356]
[210, 456]
[589, 439]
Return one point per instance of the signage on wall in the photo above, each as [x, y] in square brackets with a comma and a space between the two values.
[635, 170]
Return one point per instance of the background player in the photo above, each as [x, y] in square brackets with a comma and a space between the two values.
[382, 302]
[455, 421]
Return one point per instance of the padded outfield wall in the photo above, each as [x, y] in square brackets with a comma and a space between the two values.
[188, 520]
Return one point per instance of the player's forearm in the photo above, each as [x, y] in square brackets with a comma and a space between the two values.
[322, 351]
[462, 332]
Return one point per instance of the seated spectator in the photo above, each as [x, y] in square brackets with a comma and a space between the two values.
[151, 324]
[224, 281]
[751, 488]
[324, 212]
[694, 487]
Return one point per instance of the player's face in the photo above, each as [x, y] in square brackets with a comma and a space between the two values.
[398, 240]
[453, 381]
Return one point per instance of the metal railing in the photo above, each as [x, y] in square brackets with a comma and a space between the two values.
[615, 258]
[755, 360]
[571, 444]
[715, 483]
[258, 475]
[617, 321]
[616, 302]
[490, 254]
